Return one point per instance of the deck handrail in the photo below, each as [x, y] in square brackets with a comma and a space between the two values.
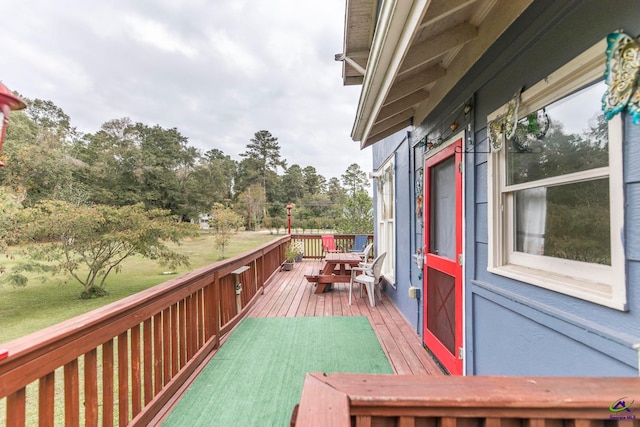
[313, 243]
[149, 344]
[341, 400]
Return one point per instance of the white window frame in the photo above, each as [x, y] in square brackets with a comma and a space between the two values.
[601, 284]
[386, 226]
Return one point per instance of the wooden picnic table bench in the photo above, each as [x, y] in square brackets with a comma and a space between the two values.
[337, 269]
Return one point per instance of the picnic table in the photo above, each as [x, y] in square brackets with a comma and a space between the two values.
[337, 268]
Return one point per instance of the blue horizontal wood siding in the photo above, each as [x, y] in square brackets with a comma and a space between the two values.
[397, 147]
[514, 328]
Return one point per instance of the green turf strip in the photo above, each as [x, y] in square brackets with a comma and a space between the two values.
[256, 378]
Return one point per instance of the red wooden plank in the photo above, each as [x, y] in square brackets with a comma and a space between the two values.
[190, 328]
[91, 402]
[157, 353]
[406, 351]
[107, 384]
[201, 327]
[136, 372]
[166, 345]
[174, 340]
[147, 346]
[16, 406]
[322, 405]
[46, 399]
[71, 394]
[182, 313]
[300, 292]
[123, 379]
[215, 307]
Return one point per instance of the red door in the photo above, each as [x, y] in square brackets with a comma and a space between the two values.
[443, 260]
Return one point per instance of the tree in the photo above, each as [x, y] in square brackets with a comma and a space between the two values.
[355, 179]
[90, 242]
[336, 192]
[223, 174]
[314, 183]
[251, 202]
[164, 153]
[114, 163]
[263, 153]
[357, 215]
[293, 184]
[10, 207]
[224, 221]
[36, 153]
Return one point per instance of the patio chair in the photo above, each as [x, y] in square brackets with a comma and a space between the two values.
[359, 243]
[370, 277]
[329, 244]
[364, 254]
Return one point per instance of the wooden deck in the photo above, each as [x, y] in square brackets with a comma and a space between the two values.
[291, 295]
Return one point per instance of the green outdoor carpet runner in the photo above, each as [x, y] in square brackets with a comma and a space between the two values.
[256, 378]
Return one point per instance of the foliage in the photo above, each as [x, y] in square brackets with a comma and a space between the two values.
[27, 309]
[10, 207]
[293, 187]
[90, 242]
[262, 160]
[251, 202]
[36, 159]
[124, 163]
[355, 179]
[224, 221]
[577, 214]
[357, 215]
[292, 250]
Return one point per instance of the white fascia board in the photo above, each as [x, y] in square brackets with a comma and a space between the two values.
[399, 20]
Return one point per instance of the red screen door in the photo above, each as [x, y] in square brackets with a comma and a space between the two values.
[443, 249]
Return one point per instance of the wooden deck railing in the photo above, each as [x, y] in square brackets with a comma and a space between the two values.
[345, 400]
[132, 355]
[313, 243]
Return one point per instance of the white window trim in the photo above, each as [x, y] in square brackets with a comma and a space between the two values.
[388, 268]
[601, 284]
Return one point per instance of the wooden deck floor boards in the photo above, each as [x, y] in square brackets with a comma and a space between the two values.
[290, 295]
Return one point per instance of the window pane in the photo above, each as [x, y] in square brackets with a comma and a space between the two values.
[442, 212]
[567, 136]
[390, 196]
[569, 221]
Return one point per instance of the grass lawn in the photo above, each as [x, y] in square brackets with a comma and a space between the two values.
[40, 304]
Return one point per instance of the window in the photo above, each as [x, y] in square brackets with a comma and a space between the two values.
[555, 189]
[386, 207]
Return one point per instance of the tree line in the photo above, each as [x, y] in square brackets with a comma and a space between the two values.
[126, 163]
[91, 200]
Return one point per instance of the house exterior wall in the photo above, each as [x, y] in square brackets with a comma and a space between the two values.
[397, 147]
[511, 327]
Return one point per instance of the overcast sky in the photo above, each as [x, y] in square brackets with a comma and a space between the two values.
[217, 70]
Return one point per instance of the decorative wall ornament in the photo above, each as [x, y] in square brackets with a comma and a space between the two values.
[496, 134]
[621, 75]
[504, 126]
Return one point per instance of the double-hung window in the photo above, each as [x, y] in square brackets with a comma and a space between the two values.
[556, 207]
[385, 213]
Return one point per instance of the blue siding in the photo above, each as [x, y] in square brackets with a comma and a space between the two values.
[503, 330]
[516, 328]
[512, 327]
[405, 276]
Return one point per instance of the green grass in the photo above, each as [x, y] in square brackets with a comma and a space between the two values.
[40, 304]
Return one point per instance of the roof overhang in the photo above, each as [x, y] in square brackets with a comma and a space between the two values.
[413, 54]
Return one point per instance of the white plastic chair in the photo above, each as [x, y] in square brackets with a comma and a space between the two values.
[365, 252]
[369, 276]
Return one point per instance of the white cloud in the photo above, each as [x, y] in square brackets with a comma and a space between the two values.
[159, 36]
[217, 71]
